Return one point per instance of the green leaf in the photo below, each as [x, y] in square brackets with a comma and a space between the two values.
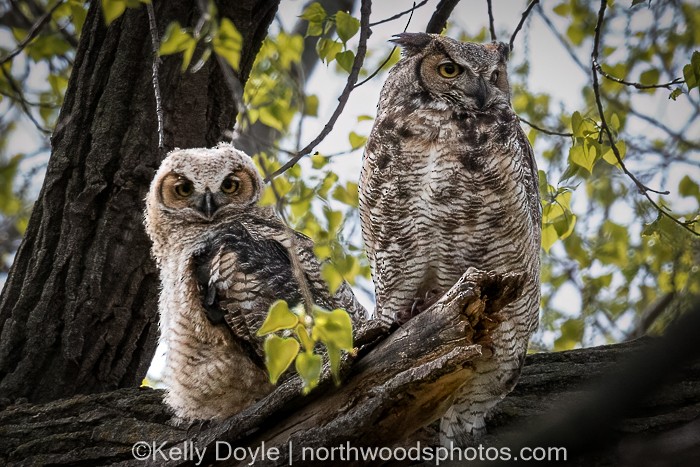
[314, 29]
[334, 355]
[279, 354]
[278, 318]
[651, 76]
[691, 71]
[637, 2]
[610, 157]
[563, 9]
[318, 161]
[309, 365]
[113, 9]
[314, 13]
[348, 194]
[576, 34]
[228, 43]
[549, 237]
[362, 118]
[615, 122]
[571, 335]
[332, 277]
[306, 342]
[175, 40]
[675, 93]
[576, 124]
[583, 156]
[687, 187]
[346, 26]
[356, 141]
[333, 328]
[327, 49]
[346, 60]
[311, 105]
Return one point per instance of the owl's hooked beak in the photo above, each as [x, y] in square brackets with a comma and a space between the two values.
[207, 206]
[482, 93]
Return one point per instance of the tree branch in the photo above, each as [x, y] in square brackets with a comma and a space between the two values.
[365, 11]
[544, 130]
[526, 13]
[155, 44]
[440, 16]
[101, 429]
[492, 26]
[388, 57]
[36, 29]
[399, 15]
[391, 390]
[604, 126]
[637, 85]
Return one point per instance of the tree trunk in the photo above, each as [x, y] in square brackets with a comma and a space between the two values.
[78, 311]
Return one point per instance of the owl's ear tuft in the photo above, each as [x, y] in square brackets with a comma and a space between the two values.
[411, 42]
[503, 50]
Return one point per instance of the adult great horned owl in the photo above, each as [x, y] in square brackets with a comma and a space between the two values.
[449, 181]
[223, 260]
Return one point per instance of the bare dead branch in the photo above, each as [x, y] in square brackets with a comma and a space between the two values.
[365, 11]
[492, 26]
[399, 15]
[526, 13]
[544, 130]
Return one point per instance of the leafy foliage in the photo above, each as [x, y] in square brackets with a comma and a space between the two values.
[302, 332]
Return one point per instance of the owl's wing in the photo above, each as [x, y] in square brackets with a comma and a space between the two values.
[240, 276]
[247, 267]
[532, 178]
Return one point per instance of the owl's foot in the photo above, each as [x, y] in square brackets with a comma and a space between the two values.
[419, 305]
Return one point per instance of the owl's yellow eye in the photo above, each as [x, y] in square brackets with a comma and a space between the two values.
[184, 188]
[449, 70]
[230, 185]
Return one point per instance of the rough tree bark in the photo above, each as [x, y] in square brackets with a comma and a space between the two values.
[78, 311]
[398, 386]
[101, 429]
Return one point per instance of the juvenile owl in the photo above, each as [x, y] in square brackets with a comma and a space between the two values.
[223, 260]
[449, 181]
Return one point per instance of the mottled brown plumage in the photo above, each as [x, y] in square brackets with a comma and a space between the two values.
[449, 181]
[223, 261]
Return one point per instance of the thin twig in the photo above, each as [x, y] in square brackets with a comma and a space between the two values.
[544, 130]
[22, 102]
[36, 28]
[155, 43]
[636, 85]
[439, 19]
[604, 125]
[399, 15]
[562, 41]
[391, 54]
[492, 26]
[365, 11]
[526, 13]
